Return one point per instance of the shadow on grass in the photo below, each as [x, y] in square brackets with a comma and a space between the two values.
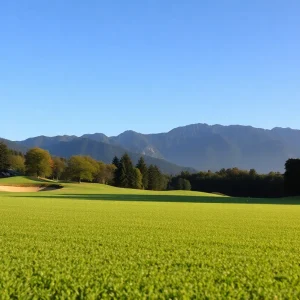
[167, 198]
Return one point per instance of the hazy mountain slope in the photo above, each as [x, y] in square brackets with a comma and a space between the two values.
[289, 137]
[106, 152]
[214, 147]
[241, 146]
[98, 137]
[14, 146]
[202, 146]
[45, 141]
[136, 142]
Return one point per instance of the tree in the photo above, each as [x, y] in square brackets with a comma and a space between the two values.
[104, 173]
[17, 163]
[99, 176]
[4, 157]
[179, 183]
[164, 181]
[117, 172]
[38, 162]
[185, 174]
[292, 177]
[155, 179]
[81, 168]
[141, 165]
[138, 179]
[183, 184]
[109, 173]
[252, 173]
[58, 167]
[186, 185]
[116, 161]
[125, 172]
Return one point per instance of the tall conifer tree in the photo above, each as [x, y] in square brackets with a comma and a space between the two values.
[126, 172]
[141, 165]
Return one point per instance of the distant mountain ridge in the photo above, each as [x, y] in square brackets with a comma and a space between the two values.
[198, 146]
[14, 145]
[106, 152]
[66, 146]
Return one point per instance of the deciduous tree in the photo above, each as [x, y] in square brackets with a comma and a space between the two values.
[138, 179]
[17, 163]
[58, 167]
[38, 162]
[81, 168]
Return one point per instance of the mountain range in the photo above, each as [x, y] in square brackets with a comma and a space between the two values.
[197, 146]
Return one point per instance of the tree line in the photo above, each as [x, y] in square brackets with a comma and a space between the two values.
[39, 163]
[122, 173]
[141, 176]
[11, 159]
[243, 183]
[237, 183]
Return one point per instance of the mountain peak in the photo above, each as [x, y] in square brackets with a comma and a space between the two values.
[199, 146]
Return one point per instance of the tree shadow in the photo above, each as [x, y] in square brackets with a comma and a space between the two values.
[166, 198]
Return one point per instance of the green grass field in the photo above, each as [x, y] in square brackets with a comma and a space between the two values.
[24, 181]
[91, 241]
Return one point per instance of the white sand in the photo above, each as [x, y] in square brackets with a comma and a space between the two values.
[22, 189]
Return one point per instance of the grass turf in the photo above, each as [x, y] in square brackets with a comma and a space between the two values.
[54, 245]
[24, 181]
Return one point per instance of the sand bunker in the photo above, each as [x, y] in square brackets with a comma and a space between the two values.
[23, 189]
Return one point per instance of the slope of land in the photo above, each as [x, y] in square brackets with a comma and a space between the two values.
[24, 180]
[22, 184]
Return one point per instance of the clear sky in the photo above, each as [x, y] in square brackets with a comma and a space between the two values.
[75, 67]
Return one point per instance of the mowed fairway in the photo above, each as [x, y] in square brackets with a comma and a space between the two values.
[92, 241]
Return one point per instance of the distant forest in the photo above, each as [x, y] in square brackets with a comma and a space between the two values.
[122, 173]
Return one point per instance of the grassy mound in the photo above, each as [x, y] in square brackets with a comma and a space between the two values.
[26, 181]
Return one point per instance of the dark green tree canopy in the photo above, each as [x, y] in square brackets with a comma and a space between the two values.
[4, 157]
[116, 161]
[141, 165]
[292, 177]
[155, 178]
[179, 183]
[233, 182]
[126, 172]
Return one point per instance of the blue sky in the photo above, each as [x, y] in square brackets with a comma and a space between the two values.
[75, 67]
